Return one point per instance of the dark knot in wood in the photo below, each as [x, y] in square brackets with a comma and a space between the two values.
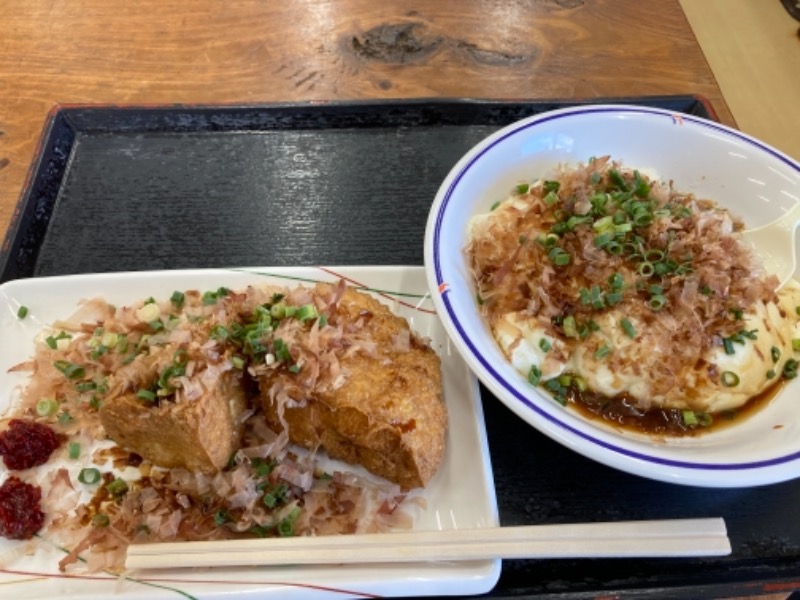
[398, 43]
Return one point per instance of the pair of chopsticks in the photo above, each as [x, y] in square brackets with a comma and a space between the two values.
[661, 538]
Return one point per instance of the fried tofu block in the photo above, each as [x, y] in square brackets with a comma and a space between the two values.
[198, 435]
[385, 412]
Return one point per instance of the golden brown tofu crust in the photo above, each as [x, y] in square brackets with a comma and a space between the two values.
[388, 415]
[197, 435]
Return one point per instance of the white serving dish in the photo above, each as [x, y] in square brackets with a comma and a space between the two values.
[710, 160]
[460, 496]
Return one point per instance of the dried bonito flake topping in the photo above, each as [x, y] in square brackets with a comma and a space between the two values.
[607, 287]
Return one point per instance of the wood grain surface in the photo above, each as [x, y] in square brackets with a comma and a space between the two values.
[248, 51]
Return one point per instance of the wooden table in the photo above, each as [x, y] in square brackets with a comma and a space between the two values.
[256, 52]
[246, 51]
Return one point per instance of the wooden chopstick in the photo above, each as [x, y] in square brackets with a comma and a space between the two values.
[662, 538]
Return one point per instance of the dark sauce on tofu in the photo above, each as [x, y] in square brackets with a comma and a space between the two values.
[621, 412]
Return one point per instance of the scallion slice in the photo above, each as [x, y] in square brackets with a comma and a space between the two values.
[100, 520]
[118, 487]
[46, 407]
[146, 395]
[628, 328]
[74, 450]
[775, 352]
[89, 476]
[534, 375]
[657, 302]
[729, 379]
[70, 370]
[570, 326]
[602, 352]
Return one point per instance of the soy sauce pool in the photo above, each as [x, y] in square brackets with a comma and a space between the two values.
[621, 412]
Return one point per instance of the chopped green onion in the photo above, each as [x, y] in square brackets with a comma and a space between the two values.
[22, 312]
[617, 180]
[603, 240]
[85, 386]
[727, 344]
[729, 379]
[545, 345]
[52, 342]
[146, 395]
[796, 344]
[550, 198]
[219, 332]
[276, 495]
[645, 269]
[790, 369]
[551, 186]
[118, 487]
[286, 526]
[613, 298]
[559, 257]
[628, 328]
[70, 370]
[109, 339]
[100, 520]
[46, 407]
[89, 476]
[602, 352]
[306, 312]
[278, 311]
[74, 450]
[237, 362]
[177, 299]
[771, 374]
[576, 220]
[775, 353]
[657, 302]
[522, 188]
[221, 517]
[603, 224]
[570, 327]
[180, 356]
[534, 375]
[64, 418]
[209, 298]
[689, 418]
[654, 255]
[495, 205]
[641, 187]
[261, 467]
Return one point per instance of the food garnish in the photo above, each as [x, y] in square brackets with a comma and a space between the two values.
[625, 297]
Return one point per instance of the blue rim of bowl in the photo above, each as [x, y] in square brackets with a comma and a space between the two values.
[533, 122]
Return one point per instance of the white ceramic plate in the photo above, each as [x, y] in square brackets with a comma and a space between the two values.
[460, 496]
[753, 180]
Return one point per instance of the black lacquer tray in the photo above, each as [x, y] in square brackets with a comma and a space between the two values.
[120, 188]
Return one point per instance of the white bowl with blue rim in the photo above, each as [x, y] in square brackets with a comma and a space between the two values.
[755, 181]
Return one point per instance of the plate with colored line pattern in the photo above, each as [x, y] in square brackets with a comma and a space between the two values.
[461, 494]
[754, 181]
